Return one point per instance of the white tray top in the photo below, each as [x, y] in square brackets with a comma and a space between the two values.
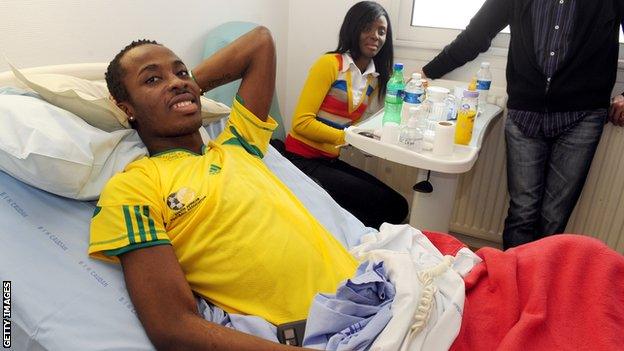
[462, 159]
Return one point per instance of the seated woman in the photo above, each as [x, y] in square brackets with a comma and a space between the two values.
[341, 87]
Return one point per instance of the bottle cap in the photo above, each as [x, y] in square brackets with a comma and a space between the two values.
[416, 76]
[471, 94]
[473, 84]
[398, 66]
[485, 65]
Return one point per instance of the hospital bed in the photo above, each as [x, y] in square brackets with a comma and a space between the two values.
[62, 300]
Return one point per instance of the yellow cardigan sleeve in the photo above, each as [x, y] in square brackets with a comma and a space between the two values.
[320, 78]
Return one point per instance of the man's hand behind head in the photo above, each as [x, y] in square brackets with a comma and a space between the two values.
[250, 57]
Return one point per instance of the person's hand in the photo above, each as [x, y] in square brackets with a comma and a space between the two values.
[616, 112]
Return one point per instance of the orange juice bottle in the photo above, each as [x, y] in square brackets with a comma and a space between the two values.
[465, 117]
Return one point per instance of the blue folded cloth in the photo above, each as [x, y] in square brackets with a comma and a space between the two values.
[349, 320]
[353, 317]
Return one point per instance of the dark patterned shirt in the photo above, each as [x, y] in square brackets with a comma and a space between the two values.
[553, 23]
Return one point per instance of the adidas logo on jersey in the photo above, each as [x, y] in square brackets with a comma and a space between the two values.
[214, 169]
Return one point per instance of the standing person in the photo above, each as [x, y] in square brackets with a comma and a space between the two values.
[561, 68]
[340, 89]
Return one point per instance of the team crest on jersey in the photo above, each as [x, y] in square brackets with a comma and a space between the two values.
[183, 201]
[181, 198]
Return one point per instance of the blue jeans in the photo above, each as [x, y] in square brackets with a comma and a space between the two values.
[545, 177]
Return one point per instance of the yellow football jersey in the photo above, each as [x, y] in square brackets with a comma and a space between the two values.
[243, 239]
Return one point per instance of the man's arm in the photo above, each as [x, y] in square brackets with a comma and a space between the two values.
[250, 57]
[476, 38]
[167, 309]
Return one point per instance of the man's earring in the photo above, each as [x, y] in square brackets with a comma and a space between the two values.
[131, 119]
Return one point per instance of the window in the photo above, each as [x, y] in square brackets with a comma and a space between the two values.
[434, 23]
[437, 14]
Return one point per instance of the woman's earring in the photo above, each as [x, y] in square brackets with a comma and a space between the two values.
[131, 119]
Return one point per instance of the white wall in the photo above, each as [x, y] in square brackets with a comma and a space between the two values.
[48, 32]
[45, 32]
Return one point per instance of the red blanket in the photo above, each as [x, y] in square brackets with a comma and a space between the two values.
[564, 292]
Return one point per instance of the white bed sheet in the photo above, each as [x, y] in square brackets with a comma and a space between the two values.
[62, 300]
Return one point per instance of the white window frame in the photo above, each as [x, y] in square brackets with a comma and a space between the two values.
[432, 38]
[437, 38]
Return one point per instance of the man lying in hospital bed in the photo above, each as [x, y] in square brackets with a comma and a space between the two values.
[394, 238]
[209, 219]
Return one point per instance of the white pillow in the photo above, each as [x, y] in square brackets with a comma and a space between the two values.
[91, 100]
[55, 150]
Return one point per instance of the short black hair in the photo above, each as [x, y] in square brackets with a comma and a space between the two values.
[357, 18]
[115, 73]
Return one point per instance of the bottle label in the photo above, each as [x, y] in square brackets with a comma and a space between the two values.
[483, 84]
[412, 98]
[394, 96]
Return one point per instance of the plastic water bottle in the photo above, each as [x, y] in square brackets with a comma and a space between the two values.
[484, 80]
[394, 96]
[414, 94]
[411, 136]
